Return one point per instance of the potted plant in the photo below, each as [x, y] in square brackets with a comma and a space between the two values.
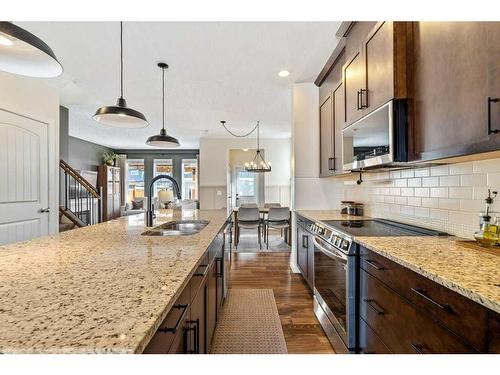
[109, 158]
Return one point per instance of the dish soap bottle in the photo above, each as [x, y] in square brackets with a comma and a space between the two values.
[488, 235]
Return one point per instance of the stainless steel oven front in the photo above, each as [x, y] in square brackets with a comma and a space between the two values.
[335, 289]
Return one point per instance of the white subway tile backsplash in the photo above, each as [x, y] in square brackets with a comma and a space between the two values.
[441, 192]
[494, 180]
[422, 172]
[449, 204]
[430, 202]
[472, 205]
[486, 166]
[422, 212]
[449, 181]
[441, 215]
[441, 170]
[414, 182]
[407, 192]
[422, 192]
[430, 181]
[462, 168]
[400, 183]
[401, 200]
[446, 197]
[460, 192]
[459, 217]
[473, 180]
[407, 173]
[413, 201]
[407, 210]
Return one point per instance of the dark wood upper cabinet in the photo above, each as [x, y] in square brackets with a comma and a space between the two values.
[353, 78]
[377, 71]
[326, 136]
[457, 67]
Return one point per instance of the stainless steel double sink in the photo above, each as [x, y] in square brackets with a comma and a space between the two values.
[177, 228]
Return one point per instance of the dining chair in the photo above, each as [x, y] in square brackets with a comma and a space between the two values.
[249, 205]
[277, 218]
[269, 205]
[248, 218]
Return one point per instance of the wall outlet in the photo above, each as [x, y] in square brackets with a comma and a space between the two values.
[219, 193]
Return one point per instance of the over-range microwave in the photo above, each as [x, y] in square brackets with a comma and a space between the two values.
[378, 139]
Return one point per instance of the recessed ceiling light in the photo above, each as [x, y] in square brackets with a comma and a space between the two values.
[284, 73]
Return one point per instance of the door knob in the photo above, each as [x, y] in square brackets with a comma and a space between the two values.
[45, 210]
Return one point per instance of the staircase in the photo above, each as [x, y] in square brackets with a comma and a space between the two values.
[82, 203]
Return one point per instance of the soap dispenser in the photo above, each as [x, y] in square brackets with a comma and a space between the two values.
[488, 234]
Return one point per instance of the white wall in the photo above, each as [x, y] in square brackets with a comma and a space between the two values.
[214, 162]
[33, 98]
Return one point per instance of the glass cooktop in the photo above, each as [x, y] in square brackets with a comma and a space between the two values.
[379, 228]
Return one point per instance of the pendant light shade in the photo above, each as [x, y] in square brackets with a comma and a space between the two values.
[163, 140]
[25, 54]
[119, 115]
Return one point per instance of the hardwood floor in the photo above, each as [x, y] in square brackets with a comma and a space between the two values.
[303, 334]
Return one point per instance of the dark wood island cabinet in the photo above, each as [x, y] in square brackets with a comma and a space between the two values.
[190, 324]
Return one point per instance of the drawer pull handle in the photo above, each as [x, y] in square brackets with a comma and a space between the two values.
[374, 264]
[375, 306]
[174, 329]
[219, 267]
[204, 273]
[420, 292]
[418, 348]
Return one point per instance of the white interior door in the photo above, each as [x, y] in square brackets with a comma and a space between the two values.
[24, 182]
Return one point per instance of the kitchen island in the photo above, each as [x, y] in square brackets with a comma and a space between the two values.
[100, 289]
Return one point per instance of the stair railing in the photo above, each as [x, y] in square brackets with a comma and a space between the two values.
[80, 196]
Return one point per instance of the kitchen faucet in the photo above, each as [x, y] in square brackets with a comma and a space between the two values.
[150, 211]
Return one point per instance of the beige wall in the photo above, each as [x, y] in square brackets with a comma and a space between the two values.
[33, 98]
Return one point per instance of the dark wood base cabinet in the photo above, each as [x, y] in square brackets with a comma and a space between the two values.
[401, 311]
[189, 325]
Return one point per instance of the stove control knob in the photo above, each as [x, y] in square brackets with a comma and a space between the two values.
[345, 244]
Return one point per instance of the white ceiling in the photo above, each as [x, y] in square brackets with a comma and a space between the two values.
[218, 71]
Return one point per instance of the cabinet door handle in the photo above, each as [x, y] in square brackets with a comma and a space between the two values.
[420, 292]
[418, 348]
[490, 130]
[219, 267]
[361, 105]
[357, 101]
[196, 334]
[175, 328]
[374, 264]
[374, 306]
[305, 241]
[331, 164]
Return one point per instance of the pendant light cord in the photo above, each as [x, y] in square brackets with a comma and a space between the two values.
[163, 97]
[239, 135]
[121, 59]
[258, 135]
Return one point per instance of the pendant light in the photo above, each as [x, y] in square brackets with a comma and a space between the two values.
[258, 164]
[163, 140]
[121, 116]
[25, 54]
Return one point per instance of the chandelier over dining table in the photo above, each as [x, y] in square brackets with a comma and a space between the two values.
[258, 164]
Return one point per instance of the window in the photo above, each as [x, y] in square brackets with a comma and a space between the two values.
[162, 166]
[246, 183]
[190, 179]
[135, 179]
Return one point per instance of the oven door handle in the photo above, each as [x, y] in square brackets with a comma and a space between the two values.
[331, 254]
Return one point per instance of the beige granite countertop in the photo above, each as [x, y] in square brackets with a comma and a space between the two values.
[469, 270]
[102, 288]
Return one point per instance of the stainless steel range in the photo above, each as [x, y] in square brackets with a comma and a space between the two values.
[336, 272]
